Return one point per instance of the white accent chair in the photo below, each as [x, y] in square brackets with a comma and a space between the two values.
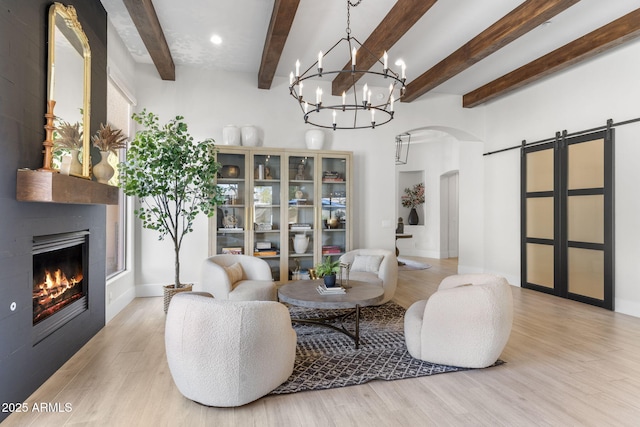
[238, 277]
[465, 323]
[228, 353]
[377, 266]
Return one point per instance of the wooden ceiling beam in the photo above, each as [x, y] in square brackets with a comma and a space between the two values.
[402, 16]
[281, 20]
[609, 36]
[524, 18]
[146, 21]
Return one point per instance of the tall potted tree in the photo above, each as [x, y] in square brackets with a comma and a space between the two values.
[174, 178]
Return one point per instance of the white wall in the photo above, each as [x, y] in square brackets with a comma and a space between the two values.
[583, 97]
[210, 100]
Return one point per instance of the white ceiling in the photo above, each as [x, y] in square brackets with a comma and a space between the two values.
[243, 24]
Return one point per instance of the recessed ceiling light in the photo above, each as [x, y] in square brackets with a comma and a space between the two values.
[216, 39]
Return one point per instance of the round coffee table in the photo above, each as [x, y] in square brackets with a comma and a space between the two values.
[304, 293]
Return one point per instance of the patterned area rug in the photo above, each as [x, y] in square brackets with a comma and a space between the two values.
[327, 359]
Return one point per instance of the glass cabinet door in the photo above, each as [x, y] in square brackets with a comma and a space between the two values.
[266, 210]
[231, 215]
[334, 216]
[301, 215]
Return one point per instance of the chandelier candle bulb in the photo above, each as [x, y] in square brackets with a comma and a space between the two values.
[306, 107]
[369, 97]
[353, 58]
[404, 69]
[364, 93]
[320, 62]
[291, 79]
[344, 99]
[300, 92]
[391, 106]
[385, 59]
[334, 117]
[318, 95]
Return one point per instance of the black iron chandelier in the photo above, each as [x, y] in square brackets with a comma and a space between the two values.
[355, 112]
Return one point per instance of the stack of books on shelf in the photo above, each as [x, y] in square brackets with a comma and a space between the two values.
[266, 252]
[331, 176]
[232, 251]
[299, 226]
[336, 290]
[331, 249]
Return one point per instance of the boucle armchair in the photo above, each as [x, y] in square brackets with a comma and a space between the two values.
[465, 323]
[377, 266]
[238, 277]
[228, 353]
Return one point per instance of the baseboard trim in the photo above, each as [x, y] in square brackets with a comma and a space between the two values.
[117, 305]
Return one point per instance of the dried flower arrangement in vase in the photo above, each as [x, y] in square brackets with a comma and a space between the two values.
[107, 140]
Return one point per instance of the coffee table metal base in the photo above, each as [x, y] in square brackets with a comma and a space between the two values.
[326, 322]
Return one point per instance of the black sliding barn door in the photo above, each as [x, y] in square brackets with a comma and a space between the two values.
[567, 218]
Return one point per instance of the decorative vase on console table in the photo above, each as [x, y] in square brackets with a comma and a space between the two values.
[413, 217]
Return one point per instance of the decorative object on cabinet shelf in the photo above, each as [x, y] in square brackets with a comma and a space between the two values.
[300, 243]
[230, 220]
[263, 227]
[231, 135]
[232, 251]
[412, 198]
[332, 176]
[314, 139]
[249, 135]
[266, 252]
[300, 172]
[402, 148]
[331, 249]
[299, 226]
[174, 178]
[263, 245]
[230, 171]
[400, 227]
[359, 112]
[332, 223]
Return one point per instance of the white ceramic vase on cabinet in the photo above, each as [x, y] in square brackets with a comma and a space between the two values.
[231, 135]
[314, 139]
[249, 135]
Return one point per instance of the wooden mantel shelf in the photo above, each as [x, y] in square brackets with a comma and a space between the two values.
[52, 187]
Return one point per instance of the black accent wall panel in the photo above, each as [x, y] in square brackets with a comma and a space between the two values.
[23, 79]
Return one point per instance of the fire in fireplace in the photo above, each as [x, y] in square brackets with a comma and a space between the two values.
[59, 285]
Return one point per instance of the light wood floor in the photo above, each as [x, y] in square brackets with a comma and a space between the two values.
[568, 364]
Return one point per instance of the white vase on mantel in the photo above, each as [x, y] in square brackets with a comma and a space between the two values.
[231, 135]
[103, 171]
[314, 139]
[249, 135]
[76, 167]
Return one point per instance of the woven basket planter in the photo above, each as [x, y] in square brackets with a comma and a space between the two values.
[170, 291]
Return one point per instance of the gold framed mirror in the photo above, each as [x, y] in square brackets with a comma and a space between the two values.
[69, 90]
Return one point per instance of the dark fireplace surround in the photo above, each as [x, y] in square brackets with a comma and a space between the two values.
[24, 363]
